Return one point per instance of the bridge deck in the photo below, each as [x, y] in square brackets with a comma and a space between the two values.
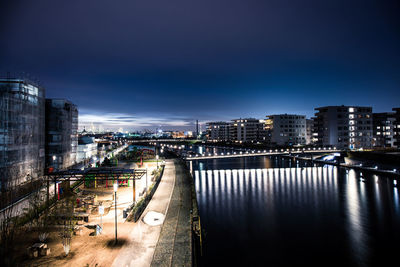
[254, 154]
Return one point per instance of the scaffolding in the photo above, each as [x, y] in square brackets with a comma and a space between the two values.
[22, 140]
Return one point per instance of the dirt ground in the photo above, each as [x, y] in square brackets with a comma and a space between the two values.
[87, 249]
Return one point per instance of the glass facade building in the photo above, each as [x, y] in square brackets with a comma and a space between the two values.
[61, 133]
[22, 139]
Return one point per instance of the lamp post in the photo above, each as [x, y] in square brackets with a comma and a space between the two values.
[54, 161]
[101, 212]
[115, 198]
[157, 161]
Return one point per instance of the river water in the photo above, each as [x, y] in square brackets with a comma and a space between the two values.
[269, 211]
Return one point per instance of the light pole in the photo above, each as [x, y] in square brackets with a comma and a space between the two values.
[101, 212]
[115, 198]
[157, 161]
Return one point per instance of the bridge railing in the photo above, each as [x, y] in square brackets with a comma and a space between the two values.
[261, 153]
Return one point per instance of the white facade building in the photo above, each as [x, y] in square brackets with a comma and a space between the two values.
[87, 148]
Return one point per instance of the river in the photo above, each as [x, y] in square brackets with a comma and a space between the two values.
[270, 211]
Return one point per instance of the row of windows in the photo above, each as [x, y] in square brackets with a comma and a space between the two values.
[291, 117]
[292, 126]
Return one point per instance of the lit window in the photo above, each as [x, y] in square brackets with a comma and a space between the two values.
[351, 109]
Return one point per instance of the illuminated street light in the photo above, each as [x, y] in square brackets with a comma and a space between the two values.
[115, 196]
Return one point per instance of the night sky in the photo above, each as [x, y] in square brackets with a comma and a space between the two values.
[150, 63]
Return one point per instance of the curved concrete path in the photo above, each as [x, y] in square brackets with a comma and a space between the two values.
[174, 247]
[139, 249]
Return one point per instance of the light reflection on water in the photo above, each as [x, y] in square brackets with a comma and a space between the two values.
[311, 213]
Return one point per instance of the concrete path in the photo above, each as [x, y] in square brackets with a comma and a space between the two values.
[140, 247]
[174, 247]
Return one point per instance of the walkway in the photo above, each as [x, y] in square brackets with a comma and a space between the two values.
[141, 243]
[174, 247]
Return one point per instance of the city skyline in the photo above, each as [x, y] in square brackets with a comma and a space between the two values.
[146, 65]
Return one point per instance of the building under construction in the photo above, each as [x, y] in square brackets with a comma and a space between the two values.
[22, 135]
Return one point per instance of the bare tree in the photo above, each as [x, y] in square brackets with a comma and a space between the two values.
[9, 216]
[65, 212]
[38, 213]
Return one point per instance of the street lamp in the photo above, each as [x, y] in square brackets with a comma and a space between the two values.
[157, 160]
[115, 198]
[101, 212]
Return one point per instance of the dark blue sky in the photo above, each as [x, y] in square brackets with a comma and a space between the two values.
[142, 64]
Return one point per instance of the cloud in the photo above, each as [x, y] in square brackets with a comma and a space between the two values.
[114, 121]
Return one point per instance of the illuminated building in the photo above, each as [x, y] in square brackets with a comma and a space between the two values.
[344, 126]
[309, 131]
[218, 131]
[87, 148]
[383, 124]
[22, 140]
[286, 129]
[247, 130]
[396, 127]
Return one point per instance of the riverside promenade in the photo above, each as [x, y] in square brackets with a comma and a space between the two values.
[174, 247]
[169, 243]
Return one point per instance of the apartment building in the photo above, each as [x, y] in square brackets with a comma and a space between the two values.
[247, 130]
[396, 127]
[218, 131]
[286, 129]
[344, 126]
[383, 129]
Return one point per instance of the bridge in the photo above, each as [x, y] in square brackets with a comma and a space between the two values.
[253, 153]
